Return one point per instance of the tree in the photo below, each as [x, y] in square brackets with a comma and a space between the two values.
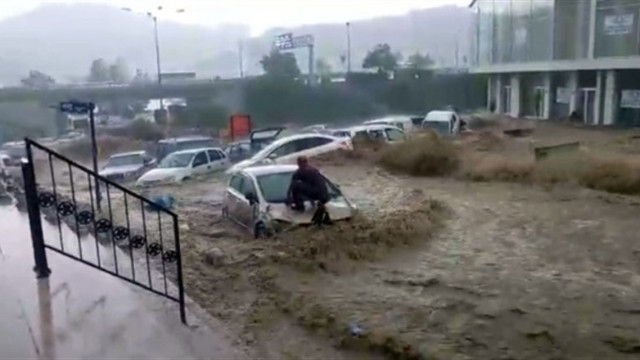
[418, 61]
[119, 71]
[99, 71]
[37, 80]
[381, 58]
[279, 64]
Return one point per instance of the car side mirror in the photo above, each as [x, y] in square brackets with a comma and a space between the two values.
[251, 198]
[272, 156]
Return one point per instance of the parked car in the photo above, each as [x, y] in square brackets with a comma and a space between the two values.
[185, 164]
[314, 128]
[238, 150]
[388, 133]
[443, 122]
[127, 166]
[404, 123]
[168, 146]
[256, 198]
[260, 138]
[287, 149]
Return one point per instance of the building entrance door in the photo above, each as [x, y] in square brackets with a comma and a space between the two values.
[587, 104]
[538, 102]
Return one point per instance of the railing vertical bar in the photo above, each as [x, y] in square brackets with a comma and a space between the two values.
[75, 205]
[164, 270]
[55, 196]
[146, 242]
[93, 212]
[113, 241]
[126, 213]
[176, 235]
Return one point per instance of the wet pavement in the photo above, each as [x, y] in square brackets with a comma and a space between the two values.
[82, 313]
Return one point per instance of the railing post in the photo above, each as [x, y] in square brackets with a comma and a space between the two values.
[35, 223]
[176, 234]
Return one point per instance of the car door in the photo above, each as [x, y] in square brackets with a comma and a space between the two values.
[284, 153]
[233, 197]
[245, 209]
[200, 163]
[395, 135]
[317, 145]
[218, 160]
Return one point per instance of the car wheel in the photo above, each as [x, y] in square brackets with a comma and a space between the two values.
[260, 231]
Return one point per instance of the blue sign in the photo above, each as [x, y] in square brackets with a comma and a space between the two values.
[76, 107]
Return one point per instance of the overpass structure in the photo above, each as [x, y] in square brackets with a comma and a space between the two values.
[145, 91]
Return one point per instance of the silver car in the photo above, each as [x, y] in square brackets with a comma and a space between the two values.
[256, 197]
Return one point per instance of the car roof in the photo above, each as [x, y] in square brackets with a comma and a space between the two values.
[186, 138]
[190, 151]
[269, 169]
[141, 152]
[439, 115]
[372, 127]
[301, 136]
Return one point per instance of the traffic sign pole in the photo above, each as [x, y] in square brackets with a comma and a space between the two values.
[94, 153]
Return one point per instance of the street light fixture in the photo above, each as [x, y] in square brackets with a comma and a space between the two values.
[154, 17]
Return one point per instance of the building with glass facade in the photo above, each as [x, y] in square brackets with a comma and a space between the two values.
[553, 58]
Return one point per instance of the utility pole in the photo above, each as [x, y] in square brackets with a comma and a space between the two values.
[158, 68]
[240, 59]
[348, 47]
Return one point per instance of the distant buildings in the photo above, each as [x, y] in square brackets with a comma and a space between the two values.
[551, 58]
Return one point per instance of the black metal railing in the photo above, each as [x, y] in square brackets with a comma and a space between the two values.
[131, 238]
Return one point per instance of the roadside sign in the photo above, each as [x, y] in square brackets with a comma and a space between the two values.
[284, 41]
[76, 107]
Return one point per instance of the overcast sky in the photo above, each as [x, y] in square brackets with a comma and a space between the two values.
[258, 14]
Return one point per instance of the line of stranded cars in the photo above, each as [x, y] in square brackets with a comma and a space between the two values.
[260, 167]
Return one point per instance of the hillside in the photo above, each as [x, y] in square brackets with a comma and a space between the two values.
[63, 39]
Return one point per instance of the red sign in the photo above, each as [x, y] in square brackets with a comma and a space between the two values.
[239, 126]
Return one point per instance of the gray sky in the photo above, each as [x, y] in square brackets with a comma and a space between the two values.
[258, 14]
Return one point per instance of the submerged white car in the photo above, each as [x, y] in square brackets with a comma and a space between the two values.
[287, 149]
[127, 166]
[185, 164]
[255, 198]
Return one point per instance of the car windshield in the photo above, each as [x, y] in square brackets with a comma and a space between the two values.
[440, 127]
[176, 160]
[124, 160]
[274, 187]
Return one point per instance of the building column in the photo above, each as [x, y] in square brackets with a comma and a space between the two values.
[592, 28]
[599, 105]
[515, 95]
[499, 86]
[610, 98]
[572, 84]
[548, 96]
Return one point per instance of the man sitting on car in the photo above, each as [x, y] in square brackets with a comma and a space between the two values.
[307, 184]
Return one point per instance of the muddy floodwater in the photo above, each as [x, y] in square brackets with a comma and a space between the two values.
[434, 268]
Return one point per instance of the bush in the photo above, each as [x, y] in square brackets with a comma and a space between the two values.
[421, 156]
[616, 176]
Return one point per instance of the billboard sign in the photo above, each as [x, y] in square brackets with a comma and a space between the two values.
[284, 42]
[630, 99]
[618, 24]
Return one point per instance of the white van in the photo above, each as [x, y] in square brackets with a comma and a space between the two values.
[443, 122]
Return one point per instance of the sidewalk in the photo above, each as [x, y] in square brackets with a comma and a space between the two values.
[81, 313]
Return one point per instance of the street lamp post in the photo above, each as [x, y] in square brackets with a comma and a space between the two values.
[348, 47]
[154, 17]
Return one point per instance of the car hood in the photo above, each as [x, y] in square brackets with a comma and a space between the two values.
[242, 165]
[120, 169]
[163, 174]
[339, 209]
